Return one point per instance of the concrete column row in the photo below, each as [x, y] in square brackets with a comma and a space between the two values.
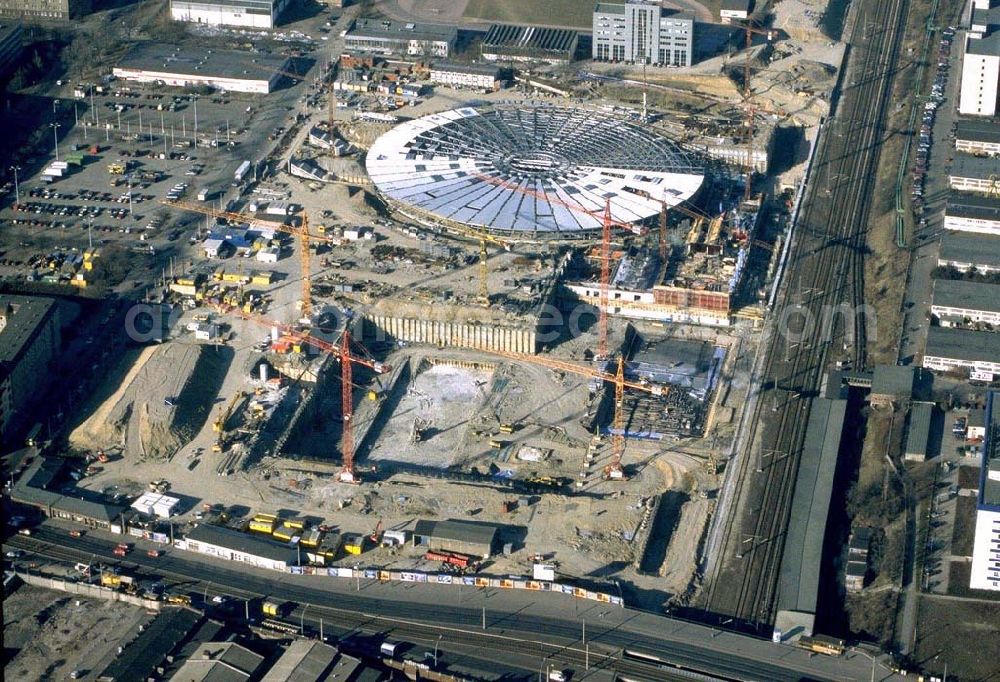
[457, 334]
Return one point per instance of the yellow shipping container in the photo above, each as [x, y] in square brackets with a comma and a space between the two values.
[232, 276]
[79, 283]
[262, 277]
[262, 526]
[311, 539]
[265, 517]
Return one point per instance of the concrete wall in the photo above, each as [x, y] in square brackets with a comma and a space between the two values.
[91, 591]
[456, 334]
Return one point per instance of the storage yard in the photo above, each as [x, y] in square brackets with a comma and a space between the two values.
[339, 221]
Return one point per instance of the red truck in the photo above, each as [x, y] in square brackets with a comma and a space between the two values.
[154, 553]
[122, 549]
[453, 558]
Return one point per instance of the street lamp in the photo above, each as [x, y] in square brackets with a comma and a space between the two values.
[436, 644]
[55, 138]
[17, 191]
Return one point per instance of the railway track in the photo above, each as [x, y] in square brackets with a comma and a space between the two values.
[827, 272]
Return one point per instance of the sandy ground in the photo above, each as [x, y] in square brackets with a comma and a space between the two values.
[54, 634]
[437, 401]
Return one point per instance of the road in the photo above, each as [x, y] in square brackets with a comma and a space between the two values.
[527, 629]
[805, 332]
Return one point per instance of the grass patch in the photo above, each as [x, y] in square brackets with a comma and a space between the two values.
[963, 534]
[960, 635]
[576, 13]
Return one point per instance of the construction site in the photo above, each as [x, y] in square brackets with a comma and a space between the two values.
[537, 308]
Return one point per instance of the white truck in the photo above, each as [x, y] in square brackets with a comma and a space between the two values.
[241, 173]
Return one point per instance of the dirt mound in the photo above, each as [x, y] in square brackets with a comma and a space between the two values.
[163, 402]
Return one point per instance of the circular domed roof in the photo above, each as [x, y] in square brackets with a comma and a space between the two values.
[531, 172]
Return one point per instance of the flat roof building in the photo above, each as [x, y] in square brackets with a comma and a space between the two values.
[233, 545]
[734, 10]
[230, 70]
[393, 37]
[980, 64]
[30, 338]
[33, 490]
[249, 13]
[465, 537]
[965, 252]
[971, 213]
[642, 32]
[512, 43]
[985, 573]
[45, 9]
[951, 349]
[974, 173]
[967, 301]
[978, 137]
[918, 433]
[485, 77]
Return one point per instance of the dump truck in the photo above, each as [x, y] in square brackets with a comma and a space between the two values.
[117, 167]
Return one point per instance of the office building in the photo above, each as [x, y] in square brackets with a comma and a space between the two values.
[391, 37]
[45, 9]
[29, 342]
[638, 31]
[981, 62]
[985, 573]
[249, 13]
[978, 136]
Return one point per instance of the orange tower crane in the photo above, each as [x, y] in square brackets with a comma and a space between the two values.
[607, 222]
[348, 359]
[614, 469]
[750, 30]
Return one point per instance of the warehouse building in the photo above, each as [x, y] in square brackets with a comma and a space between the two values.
[233, 545]
[957, 302]
[45, 9]
[10, 46]
[639, 31]
[30, 337]
[484, 77]
[965, 252]
[391, 37]
[974, 173]
[228, 70]
[953, 349]
[978, 137]
[971, 213]
[464, 537]
[250, 13]
[918, 434]
[220, 662]
[512, 43]
[308, 660]
[985, 573]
